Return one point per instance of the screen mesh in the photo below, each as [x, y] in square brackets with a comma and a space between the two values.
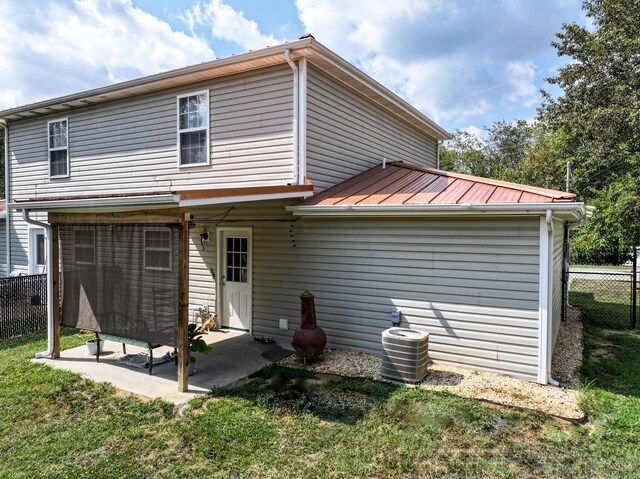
[121, 279]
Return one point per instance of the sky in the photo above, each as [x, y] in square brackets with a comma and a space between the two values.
[464, 63]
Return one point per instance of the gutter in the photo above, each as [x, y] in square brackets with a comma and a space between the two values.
[296, 101]
[50, 273]
[109, 205]
[7, 185]
[572, 210]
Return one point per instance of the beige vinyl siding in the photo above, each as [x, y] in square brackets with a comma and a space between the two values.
[347, 133]
[472, 284]
[557, 245]
[19, 237]
[131, 145]
[4, 271]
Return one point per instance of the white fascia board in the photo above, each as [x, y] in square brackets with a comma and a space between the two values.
[566, 211]
[243, 198]
[100, 204]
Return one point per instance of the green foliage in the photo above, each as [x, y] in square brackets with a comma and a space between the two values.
[519, 152]
[196, 343]
[599, 115]
[55, 424]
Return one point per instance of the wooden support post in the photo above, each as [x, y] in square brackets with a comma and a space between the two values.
[55, 271]
[183, 301]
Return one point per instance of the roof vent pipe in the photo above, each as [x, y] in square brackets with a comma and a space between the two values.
[50, 306]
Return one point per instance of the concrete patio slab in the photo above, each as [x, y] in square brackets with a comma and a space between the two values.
[234, 356]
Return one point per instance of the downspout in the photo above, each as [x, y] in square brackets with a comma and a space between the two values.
[549, 356]
[50, 305]
[437, 155]
[6, 196]
[296, 153]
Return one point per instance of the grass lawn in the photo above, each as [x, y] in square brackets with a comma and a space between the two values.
[288, 423]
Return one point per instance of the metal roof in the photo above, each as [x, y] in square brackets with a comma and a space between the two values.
[405, 184]
[307, 46]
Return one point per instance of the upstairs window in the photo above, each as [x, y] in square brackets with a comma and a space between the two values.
[85, 246]
[58, 132]
[193, 129]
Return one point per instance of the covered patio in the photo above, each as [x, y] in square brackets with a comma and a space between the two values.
[234, 357]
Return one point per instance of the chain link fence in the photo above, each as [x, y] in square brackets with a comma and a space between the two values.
[605, 297]
[23, 305]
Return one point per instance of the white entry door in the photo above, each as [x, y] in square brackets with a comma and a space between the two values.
[235, 278]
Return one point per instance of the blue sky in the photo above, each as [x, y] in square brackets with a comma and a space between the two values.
[464, 63]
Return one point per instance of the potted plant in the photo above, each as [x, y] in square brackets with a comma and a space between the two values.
[197, 345]
[93, 345]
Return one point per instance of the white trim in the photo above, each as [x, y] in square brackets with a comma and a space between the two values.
[302, 121]
[248, 231]
[570, 211]
[7, 190]
[545, 304]
[33, 232]
[237, 199]
[49, 149]
[296, 112]
[207, 128]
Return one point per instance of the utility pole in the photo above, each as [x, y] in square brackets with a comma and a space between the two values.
[568, 176]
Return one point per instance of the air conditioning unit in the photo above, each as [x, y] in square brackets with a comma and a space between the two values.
[404, 355]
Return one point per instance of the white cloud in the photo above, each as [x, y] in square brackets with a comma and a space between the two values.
[455, 60]
[228, 24]
[53, 49]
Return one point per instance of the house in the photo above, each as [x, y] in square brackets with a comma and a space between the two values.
[239, 183]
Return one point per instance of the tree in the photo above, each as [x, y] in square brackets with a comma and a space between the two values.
[599, 115]
[464, 153]
[520, 152]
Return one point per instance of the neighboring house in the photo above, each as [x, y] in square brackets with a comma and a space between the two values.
[297, 171]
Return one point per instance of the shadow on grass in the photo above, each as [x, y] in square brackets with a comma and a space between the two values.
[612, 360]
[611, 312]
[296, 391]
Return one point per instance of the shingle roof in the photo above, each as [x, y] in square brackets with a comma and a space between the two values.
[405, 184]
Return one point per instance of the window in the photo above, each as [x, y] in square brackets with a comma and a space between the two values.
[85, 246]
[58, 134]
[237, 259]
[193, 129]
[37, 251]
[157, 249]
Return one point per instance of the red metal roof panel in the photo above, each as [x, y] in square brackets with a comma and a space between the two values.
[428, 194]
[479, 193]
[401, 183]
[505, 195]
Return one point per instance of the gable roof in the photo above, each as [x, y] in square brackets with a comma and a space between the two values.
[401, 188]
[305, 47]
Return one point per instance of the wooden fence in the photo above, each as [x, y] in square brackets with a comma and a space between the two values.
[23, 305]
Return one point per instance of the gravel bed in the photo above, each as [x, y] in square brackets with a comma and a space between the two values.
[567, 356]
[504, 390]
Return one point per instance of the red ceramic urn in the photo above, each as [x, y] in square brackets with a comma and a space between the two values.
[309, 340]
